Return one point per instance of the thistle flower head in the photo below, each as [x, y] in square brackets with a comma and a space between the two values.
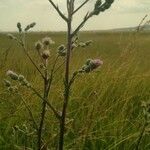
[21, 77]
[28, 27]
[96, 63]
[102, 6]
[12, 75]
[38, 45]
[90, 65]
[81, 44]
[45, 54]
[62, 50]
[19, 27]
[87, 43]
[47, 41]
[13, 89]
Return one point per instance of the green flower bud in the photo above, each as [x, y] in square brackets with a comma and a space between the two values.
[12, 75]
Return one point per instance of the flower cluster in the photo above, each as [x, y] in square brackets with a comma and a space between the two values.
[43, 47]
[90, 65]
[101, 7]
[16, 77]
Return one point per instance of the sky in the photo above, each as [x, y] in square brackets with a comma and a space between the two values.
[123, 13]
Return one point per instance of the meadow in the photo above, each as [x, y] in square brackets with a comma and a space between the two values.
[105, 110]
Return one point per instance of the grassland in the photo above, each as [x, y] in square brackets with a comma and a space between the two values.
[105, 107]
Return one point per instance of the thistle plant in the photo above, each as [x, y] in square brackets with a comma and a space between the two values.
[47, 75]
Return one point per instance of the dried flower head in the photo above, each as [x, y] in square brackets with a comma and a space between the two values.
[45, 54]
[47, 41]
[12, 75]
[38, 45]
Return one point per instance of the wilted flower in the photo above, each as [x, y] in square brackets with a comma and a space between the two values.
[45, 54]
[47, 41]
[7, 83]
[38, 45]
[90, 65]
[12, 75]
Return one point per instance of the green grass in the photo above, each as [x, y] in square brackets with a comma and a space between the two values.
[105, 106]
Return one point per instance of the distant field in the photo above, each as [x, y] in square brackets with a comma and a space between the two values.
[105, 106]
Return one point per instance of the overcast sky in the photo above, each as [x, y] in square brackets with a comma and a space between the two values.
[123, 13]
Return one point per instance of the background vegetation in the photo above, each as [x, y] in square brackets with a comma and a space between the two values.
[105, 106]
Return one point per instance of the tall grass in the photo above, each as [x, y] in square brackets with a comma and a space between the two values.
[105, 106]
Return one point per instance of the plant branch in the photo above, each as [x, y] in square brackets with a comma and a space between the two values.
[29, 110]
[48, 104]
[57, 9]
[77, 9]
[27, 54]
[86, 18]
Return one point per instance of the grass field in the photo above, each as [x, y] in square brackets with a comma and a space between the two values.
[105, 110]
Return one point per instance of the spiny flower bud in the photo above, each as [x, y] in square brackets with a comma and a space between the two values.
[47, 41]
[81, 44]
[101, 7]
[21, 77]
[19, 27]
[10, 36]
[90, 65]
[88, 43]
[45, 54]
[28, 27]
[12, 75]
[38, 45]
[62, 50]
[13, 89]
[7, 83]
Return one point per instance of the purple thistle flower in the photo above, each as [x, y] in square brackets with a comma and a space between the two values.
[91, 64]
[96, 63]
